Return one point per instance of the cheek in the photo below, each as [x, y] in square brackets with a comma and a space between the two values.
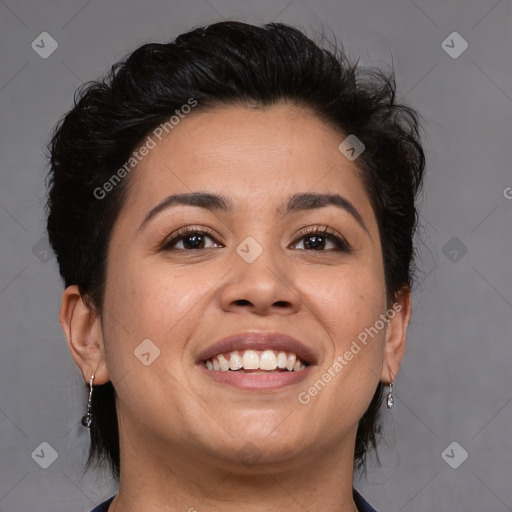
[154, 312]
[154, 303]
[151, 298]
[349, 300]
[351, 313]
[350, 305]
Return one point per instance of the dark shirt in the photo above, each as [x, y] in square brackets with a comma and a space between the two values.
[361, 504]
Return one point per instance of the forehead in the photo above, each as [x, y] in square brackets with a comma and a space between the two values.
[256, 156]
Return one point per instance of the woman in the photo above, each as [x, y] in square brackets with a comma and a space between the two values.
[233, 216]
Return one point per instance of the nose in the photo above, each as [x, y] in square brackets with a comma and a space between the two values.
[264, 286]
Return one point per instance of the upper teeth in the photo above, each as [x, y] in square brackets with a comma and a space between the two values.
[255, 360]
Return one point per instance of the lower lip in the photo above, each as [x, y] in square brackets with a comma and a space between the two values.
[257, 381]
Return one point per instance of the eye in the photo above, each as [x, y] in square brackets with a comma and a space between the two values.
[316, 239]
[190, 238]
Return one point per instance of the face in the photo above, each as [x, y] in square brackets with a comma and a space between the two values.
[254, 268]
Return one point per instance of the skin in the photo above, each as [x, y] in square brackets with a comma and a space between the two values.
[180, 433]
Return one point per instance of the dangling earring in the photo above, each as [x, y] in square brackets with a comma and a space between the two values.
[87, 419]
[390, 401]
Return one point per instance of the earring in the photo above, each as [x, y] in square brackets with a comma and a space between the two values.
[390, 401]
[87, 419]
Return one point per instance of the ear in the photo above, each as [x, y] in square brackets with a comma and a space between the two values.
[83, 331]
[399, 314]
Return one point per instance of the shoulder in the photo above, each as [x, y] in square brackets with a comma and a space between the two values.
[103, 506]
[361, 504]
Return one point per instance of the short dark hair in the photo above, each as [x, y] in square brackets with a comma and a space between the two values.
[222, 64]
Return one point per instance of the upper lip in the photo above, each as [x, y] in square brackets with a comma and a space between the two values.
[259, 341]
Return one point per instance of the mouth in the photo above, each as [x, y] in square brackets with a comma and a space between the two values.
[257, 360]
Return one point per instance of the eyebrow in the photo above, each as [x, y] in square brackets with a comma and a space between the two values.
[216, 202]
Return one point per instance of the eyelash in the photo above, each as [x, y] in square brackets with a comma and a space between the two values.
[324, 231]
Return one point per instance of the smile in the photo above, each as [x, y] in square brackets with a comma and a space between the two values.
[253, 360]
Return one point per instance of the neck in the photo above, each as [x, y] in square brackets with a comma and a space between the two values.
[177, 479]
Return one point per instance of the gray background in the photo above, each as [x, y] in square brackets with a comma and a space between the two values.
[454, 384]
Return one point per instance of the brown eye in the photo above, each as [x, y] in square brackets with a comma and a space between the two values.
[318, 239]
[315, 241]
[190, 239]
